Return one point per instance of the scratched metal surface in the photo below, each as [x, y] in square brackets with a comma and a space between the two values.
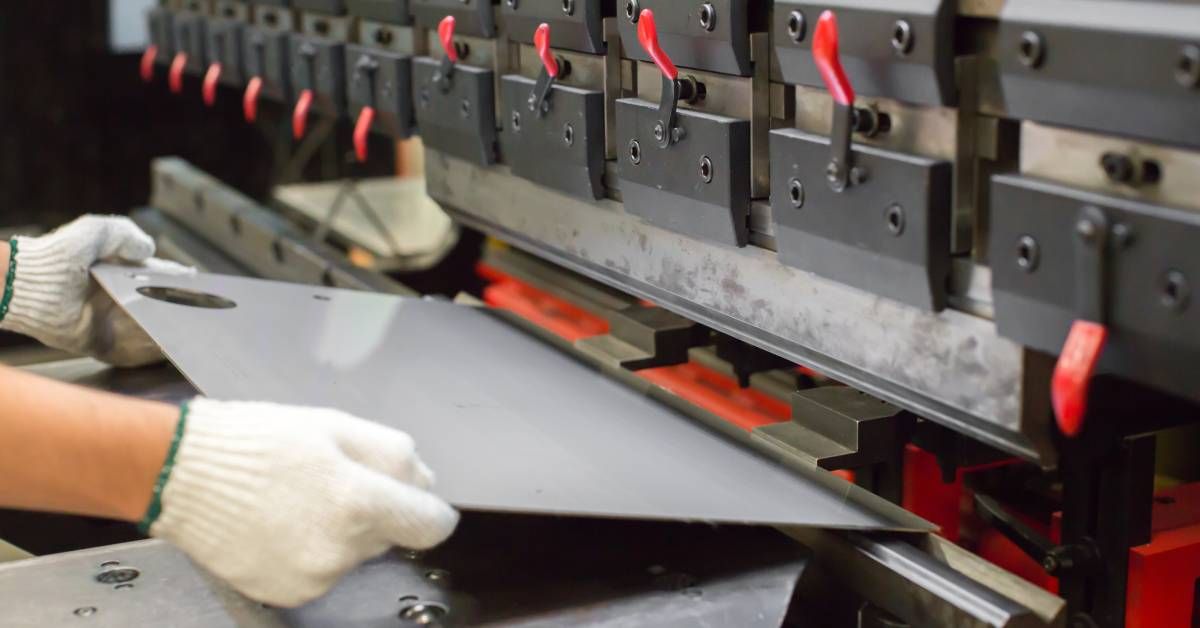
[496, 570]
[508, 423]
[949, 367]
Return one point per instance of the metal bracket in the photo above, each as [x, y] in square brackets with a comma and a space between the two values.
[319, 65]
[381, 80]
[644, 337]
[699, 186]
[462, 120]
[837, 427]
[891, 237]
[563, 147]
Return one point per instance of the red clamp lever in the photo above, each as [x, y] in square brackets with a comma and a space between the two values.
[362, 129]
[446, 36]
[647, 32]
[250, 98]
[829, 63]
[147, 66]
[211, 79]
[552, 68]
[541, 41]
[175, 76]
[300, 114]
[1085, 342]
[666, 129]
[305, 54]
[364, 78]
[1073, 374]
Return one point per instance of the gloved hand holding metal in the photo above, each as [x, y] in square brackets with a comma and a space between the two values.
[282, 501]
[49, 295]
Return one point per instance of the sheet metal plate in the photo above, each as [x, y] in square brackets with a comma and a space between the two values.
[508, 423]
[497, 570]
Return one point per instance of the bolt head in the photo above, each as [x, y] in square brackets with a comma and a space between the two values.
[1028, 253]
[858, 175]
[1086, 230]
[659, 131]
[1050, 564]
[1031, 50]
[902, 37]
[796, 27]
[1187, 67]
[796, 193]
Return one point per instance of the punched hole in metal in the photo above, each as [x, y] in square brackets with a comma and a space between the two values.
[190, 298]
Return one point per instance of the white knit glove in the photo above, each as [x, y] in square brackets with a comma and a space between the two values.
[54, 300]
[281, 501]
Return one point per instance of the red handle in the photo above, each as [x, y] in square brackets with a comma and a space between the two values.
[211, 78]
[1073, 374]
[175, 77]
[446, 34]
[362, 127]
[250, 99]
[147, 67]
[300, 114]
[541, 41]
[825, 54]
[648, 36]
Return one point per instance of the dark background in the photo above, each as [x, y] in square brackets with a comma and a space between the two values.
[78, 127]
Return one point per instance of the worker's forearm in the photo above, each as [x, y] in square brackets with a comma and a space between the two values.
[5, 250]
[69, 449]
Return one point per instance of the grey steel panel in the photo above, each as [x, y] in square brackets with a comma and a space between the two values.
[496, 570]
[948, 367]
[666, 186]
[509, 423]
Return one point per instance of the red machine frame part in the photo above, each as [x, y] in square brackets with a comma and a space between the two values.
[565, 320]
[1164, 574]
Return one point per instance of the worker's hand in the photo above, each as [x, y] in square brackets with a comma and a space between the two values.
[281, 501]
[54, 300]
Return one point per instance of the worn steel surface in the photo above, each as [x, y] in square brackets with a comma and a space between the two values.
[508, 423]
[496, 570]
[949, 367]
